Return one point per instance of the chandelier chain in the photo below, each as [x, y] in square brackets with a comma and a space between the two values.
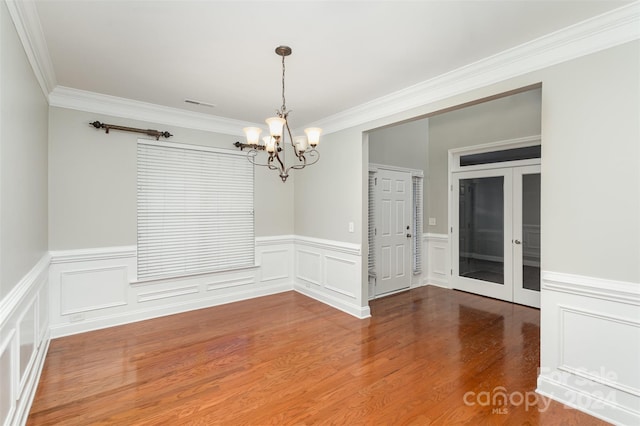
[284, 104]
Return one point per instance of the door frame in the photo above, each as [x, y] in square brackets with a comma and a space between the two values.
[453, 166]
[375, 167]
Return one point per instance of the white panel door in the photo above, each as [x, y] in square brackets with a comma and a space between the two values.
[393, 231]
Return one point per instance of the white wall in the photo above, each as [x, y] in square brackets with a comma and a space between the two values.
[23, 162]
[404, 145]
[24, 319]
[92, 181]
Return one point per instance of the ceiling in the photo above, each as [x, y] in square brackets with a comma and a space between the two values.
[345, 53]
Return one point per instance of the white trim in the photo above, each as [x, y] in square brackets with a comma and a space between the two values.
[522, 142]
[9, 347]
[601, 32]
[608, 410]
[13, 310]
[498, 145]
[275, 239]
[24, 405]
[444, 238]
[82, 100]
[581, 379]
[355, 310]
[11, 301]
[24, 15]
[339, 246]
[112, 320]
[92, 254]
[598, 33]
[374, 167]
[615, 291]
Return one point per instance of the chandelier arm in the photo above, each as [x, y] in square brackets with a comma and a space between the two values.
[295, 150]
[276, 156]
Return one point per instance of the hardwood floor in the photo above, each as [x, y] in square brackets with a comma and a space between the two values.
[427, 356]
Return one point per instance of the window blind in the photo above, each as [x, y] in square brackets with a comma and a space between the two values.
[195, 210]
[372, 224]
[417, 224]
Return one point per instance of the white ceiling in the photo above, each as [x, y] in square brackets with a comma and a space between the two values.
[345, 53]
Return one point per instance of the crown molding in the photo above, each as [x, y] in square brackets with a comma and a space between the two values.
[595, 34]
[27, 22]
[601, 32]
[81, 100]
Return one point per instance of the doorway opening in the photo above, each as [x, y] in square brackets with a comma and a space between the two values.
[495, 220]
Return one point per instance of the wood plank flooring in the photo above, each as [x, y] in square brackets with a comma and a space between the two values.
[427, 356]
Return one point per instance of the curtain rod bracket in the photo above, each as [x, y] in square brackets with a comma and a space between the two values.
[150, 132]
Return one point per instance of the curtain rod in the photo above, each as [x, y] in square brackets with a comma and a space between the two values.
[150, 132]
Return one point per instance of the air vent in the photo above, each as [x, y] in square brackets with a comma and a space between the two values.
[201, 103]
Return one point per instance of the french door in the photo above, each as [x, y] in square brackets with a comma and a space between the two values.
[496, 233]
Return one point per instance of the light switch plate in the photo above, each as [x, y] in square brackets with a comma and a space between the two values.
[351, 227]
[432, 221]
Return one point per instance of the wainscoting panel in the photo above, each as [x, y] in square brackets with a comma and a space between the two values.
[97, 288]
[24, 340]
[331, 272]
[437, 261]
[590, 345]
[90, 289]
[308, 266]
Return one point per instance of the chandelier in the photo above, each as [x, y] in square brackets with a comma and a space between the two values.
[304, 147]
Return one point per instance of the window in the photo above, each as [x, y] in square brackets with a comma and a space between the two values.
[514, 154]
[195, 210]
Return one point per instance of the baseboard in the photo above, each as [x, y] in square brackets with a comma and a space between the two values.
[589, 403]
[112, 320]
[352, 309]
[438, 283]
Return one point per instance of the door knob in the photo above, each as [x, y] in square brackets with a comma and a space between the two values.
[408, 235]
[517, 241]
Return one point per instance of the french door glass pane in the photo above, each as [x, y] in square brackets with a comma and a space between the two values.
[531, 231]
[481, 225]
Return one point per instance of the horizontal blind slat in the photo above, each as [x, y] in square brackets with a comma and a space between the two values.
[195, 211]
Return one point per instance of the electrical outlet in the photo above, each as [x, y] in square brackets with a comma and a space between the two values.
[76, 317]
[432, 221]
[351, 227]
